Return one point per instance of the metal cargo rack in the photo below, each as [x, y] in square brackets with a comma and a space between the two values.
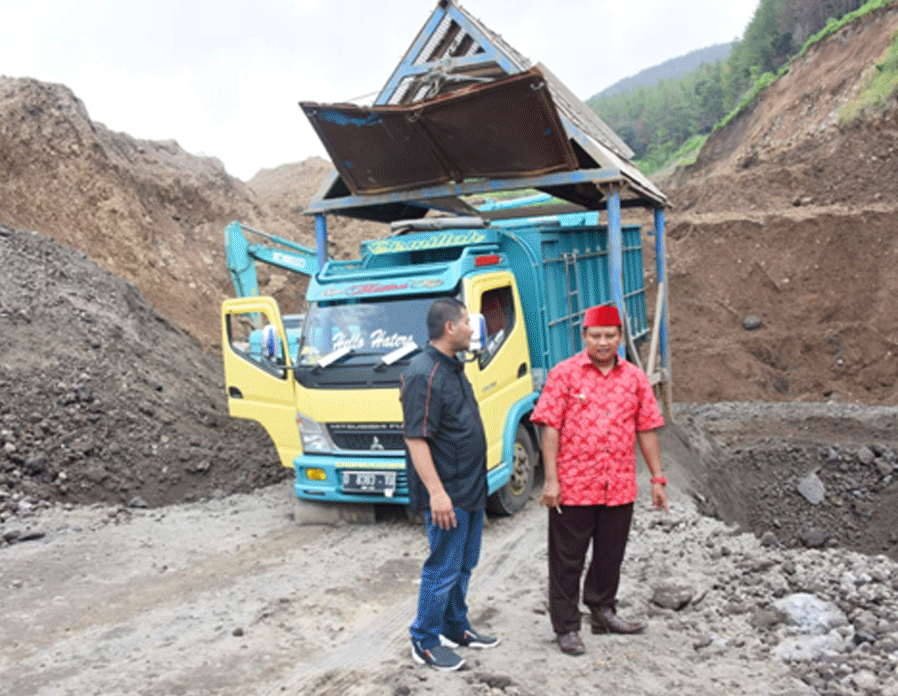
[431, 144]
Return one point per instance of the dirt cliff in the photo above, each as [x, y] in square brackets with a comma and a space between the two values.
[146, 211]
[788, 217]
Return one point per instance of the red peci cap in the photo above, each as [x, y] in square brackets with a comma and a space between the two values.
[603, 315]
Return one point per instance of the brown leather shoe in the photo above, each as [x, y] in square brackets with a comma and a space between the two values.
[604, 620]
[570, 643]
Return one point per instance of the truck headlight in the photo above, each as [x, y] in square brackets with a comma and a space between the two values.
[314, 436]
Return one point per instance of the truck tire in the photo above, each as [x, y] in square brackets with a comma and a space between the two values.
[514, 495]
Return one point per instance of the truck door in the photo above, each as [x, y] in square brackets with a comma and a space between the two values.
[258, 370]
[502, 374]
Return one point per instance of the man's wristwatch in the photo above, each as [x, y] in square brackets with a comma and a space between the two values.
[660, 479]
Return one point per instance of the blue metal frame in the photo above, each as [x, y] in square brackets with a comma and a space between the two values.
[407, 67]
[609, 181]
[661, 274]
[466, 188]
[321, 239]
[616, 245]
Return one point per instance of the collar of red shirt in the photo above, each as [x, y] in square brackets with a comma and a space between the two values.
[583, 360]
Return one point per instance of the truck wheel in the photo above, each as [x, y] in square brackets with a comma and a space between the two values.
[514, 495]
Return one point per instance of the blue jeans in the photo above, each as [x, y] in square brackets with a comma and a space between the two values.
[445, 577]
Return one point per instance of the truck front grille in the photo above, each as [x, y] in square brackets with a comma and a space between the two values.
[367, 437]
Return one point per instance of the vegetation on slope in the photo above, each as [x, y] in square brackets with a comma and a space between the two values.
[881, 87]
[669, 122]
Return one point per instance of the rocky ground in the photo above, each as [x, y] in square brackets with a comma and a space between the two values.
[803, 475]
[231, 596]
[147, 542]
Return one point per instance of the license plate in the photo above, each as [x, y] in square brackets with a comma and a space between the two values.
[369, 482]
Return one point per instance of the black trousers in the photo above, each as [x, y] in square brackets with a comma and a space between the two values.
[569, 536]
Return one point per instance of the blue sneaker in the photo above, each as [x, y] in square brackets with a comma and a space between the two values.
[470, 639]
[439, 657]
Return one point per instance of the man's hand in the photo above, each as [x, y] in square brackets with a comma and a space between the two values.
[651, 452]
[442, 512]
[659, 497]
[551, 496]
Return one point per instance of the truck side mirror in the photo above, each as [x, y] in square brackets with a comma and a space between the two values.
[270, 342]
[478, 324]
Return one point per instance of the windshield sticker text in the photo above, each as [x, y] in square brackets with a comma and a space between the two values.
[380, 339]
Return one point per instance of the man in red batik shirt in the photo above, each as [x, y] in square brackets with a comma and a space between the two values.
[593, 409]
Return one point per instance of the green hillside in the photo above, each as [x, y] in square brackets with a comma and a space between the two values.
[670, 119]
[672, 69]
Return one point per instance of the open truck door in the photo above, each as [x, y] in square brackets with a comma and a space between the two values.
[258, 365]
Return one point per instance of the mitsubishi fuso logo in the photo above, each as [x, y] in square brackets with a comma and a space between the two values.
[375, 444]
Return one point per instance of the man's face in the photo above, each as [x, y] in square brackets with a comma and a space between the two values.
[602, 342]
[461, 332]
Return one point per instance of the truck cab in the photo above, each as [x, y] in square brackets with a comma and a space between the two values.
[339, 380]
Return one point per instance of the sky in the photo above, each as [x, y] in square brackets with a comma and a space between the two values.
[224, 78]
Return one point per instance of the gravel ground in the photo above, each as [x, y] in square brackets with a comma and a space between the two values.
[232, 596]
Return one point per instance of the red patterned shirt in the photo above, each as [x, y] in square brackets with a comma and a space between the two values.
[597, 417]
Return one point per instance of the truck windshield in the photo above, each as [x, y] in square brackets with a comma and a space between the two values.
[359, 329]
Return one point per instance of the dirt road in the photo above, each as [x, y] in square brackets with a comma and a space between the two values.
[231, 596]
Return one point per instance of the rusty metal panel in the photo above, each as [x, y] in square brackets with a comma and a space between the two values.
[375, 150]
[502, 129]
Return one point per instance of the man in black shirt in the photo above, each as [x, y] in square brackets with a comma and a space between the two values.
[446, 465]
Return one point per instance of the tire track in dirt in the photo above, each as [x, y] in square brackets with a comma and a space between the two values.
[337, 671]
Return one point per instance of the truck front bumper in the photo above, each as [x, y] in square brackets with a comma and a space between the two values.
[338, 479]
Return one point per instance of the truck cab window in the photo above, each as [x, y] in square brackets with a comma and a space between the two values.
[252, 337]
[369, 328]
[497, 308]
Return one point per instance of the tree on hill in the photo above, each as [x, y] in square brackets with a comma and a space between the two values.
[656, 120]
[669, 69]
